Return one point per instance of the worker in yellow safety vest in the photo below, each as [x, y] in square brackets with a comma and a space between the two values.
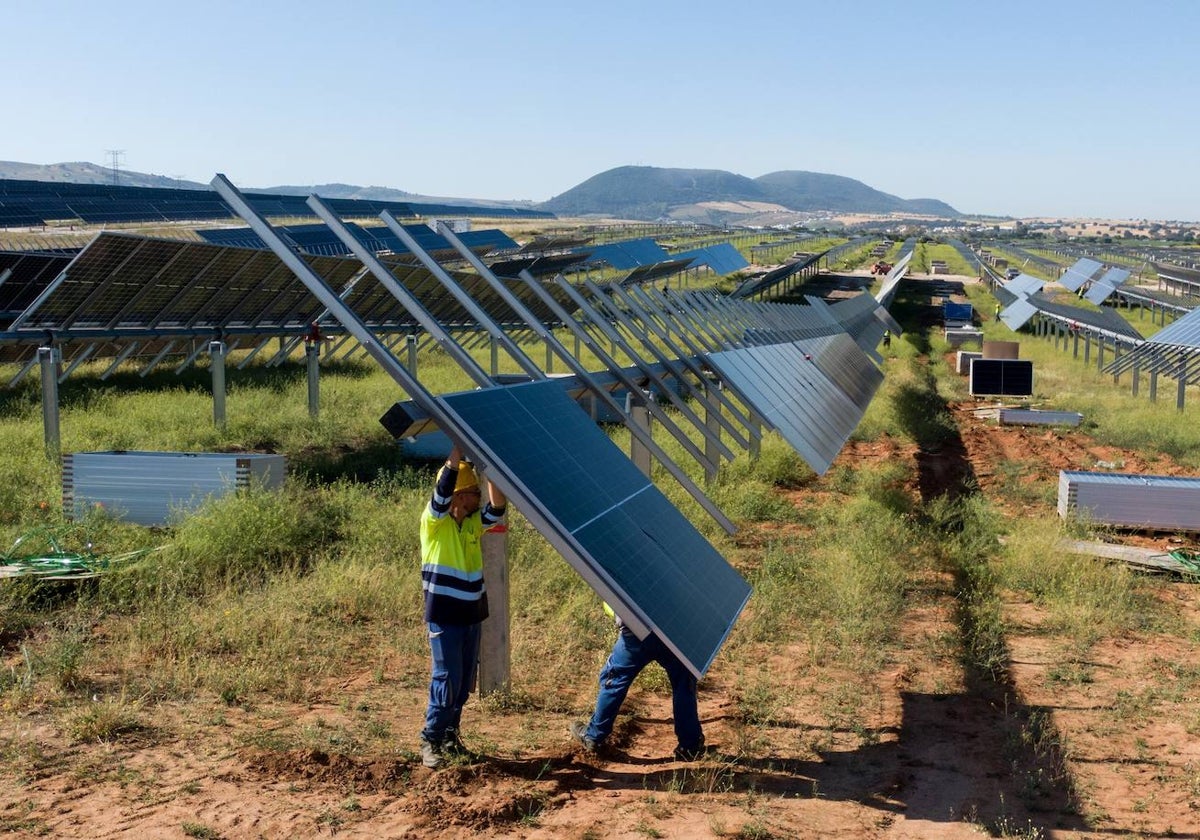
[452, 527]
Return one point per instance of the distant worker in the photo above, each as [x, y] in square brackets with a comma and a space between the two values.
[629, 656]
[455, 598]
[887, 338]
[997, 312]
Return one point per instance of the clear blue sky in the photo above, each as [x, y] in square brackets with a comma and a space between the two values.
[1055, 107]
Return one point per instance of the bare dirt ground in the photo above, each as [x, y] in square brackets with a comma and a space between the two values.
[1108, 751]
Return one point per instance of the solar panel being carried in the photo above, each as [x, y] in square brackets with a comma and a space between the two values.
[632, 541]
[1078, 274]
[1106, 285]
[1024, 284]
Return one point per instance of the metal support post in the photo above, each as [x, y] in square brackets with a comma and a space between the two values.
[495, 356]
[1182, 387]
[412, 353]
[635, 406]
[49, 358]
[1137, 375]
[312, 355]
[216, 352]
[1154, 385]
[712, 420]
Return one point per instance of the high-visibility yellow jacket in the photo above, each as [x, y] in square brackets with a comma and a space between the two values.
[452, 558]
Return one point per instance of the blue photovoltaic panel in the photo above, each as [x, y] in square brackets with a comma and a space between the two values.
[845, 365]
[1078, 274]
[615, 526]
[1024, 284]
[1017, 314]
[813, 398]
[629, 254]
[958, 312]
[1106, 285]
[723, 259]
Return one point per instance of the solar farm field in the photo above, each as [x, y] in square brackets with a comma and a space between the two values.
[921, 656]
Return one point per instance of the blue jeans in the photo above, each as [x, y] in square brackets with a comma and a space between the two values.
[629, 656]
[455, 650]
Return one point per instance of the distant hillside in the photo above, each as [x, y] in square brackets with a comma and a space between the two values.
[90, 173]
[81, 172]
[647, 192]
[627, 192]
[386, 194]
[817, 191]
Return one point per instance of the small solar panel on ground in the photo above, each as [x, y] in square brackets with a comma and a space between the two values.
[1001, 377]
[625, 532]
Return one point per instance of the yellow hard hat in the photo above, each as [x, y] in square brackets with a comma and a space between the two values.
[466, 478]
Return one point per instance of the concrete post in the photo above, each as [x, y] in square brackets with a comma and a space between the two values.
[712, 456]
[216, 351]
[49, 359]
[638, 453]
[495, 645]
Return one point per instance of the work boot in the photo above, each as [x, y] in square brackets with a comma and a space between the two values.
[431, 754]
[452, 745]
[578, 731]
[695, 753]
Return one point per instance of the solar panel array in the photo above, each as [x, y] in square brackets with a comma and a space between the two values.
[126, 287]
[629, 253]
[33, 203]
[1173, 350]
[806, 370]
[317, 239]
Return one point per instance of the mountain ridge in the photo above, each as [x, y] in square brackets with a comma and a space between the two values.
[632, 192]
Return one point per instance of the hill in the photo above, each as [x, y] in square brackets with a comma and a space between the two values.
[629, 192]
[82, 172]
[648, 192]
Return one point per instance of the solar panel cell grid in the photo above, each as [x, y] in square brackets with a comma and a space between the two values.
[625, 531]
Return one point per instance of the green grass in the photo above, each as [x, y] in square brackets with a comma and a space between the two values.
[266, 598]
